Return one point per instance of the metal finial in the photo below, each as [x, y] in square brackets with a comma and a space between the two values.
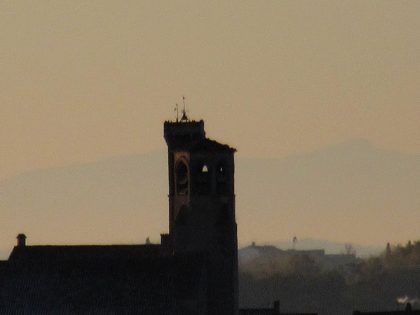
[184, 111]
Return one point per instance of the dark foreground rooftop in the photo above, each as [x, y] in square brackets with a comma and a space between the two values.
[117, 279]
[388, 313]
[275, 310]
[268, 311]
[408, 311]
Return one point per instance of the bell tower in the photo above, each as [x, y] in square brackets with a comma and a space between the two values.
[202, 207]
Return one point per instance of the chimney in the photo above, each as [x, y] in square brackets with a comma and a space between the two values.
[21, 240]
[276, 307]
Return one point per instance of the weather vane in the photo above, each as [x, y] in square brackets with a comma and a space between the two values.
[184, 111]
[184, 117]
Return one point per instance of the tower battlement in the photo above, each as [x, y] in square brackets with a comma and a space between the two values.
[181, 132]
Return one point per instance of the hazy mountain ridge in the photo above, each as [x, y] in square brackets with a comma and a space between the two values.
[103, 202]
[343, 190]
[346, 189]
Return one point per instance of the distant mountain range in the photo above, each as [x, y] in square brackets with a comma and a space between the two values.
[352, 192]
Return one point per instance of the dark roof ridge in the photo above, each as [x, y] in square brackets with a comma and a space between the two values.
[92, 245]
[208, 143]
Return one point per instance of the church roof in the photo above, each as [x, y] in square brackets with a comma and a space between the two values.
[201, 145]
[209, 145]
[115, 278]
[267, 311]
[71, 253]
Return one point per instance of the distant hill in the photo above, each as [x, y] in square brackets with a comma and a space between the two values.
[330, 247]
[307, 281]
[265, 261]
[327, 246]
[351, 192]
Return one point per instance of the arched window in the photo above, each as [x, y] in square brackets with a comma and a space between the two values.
[182, 178]
[222, 177]
[221, 169]
[204, 168]
[203, 178]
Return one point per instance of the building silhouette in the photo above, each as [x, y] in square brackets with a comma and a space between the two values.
[202, 208]
[193, 271]
[275, 310]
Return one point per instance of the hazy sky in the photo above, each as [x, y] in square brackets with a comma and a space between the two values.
[81, 81]
[85, 81]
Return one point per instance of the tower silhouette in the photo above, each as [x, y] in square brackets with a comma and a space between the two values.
[202, 208]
